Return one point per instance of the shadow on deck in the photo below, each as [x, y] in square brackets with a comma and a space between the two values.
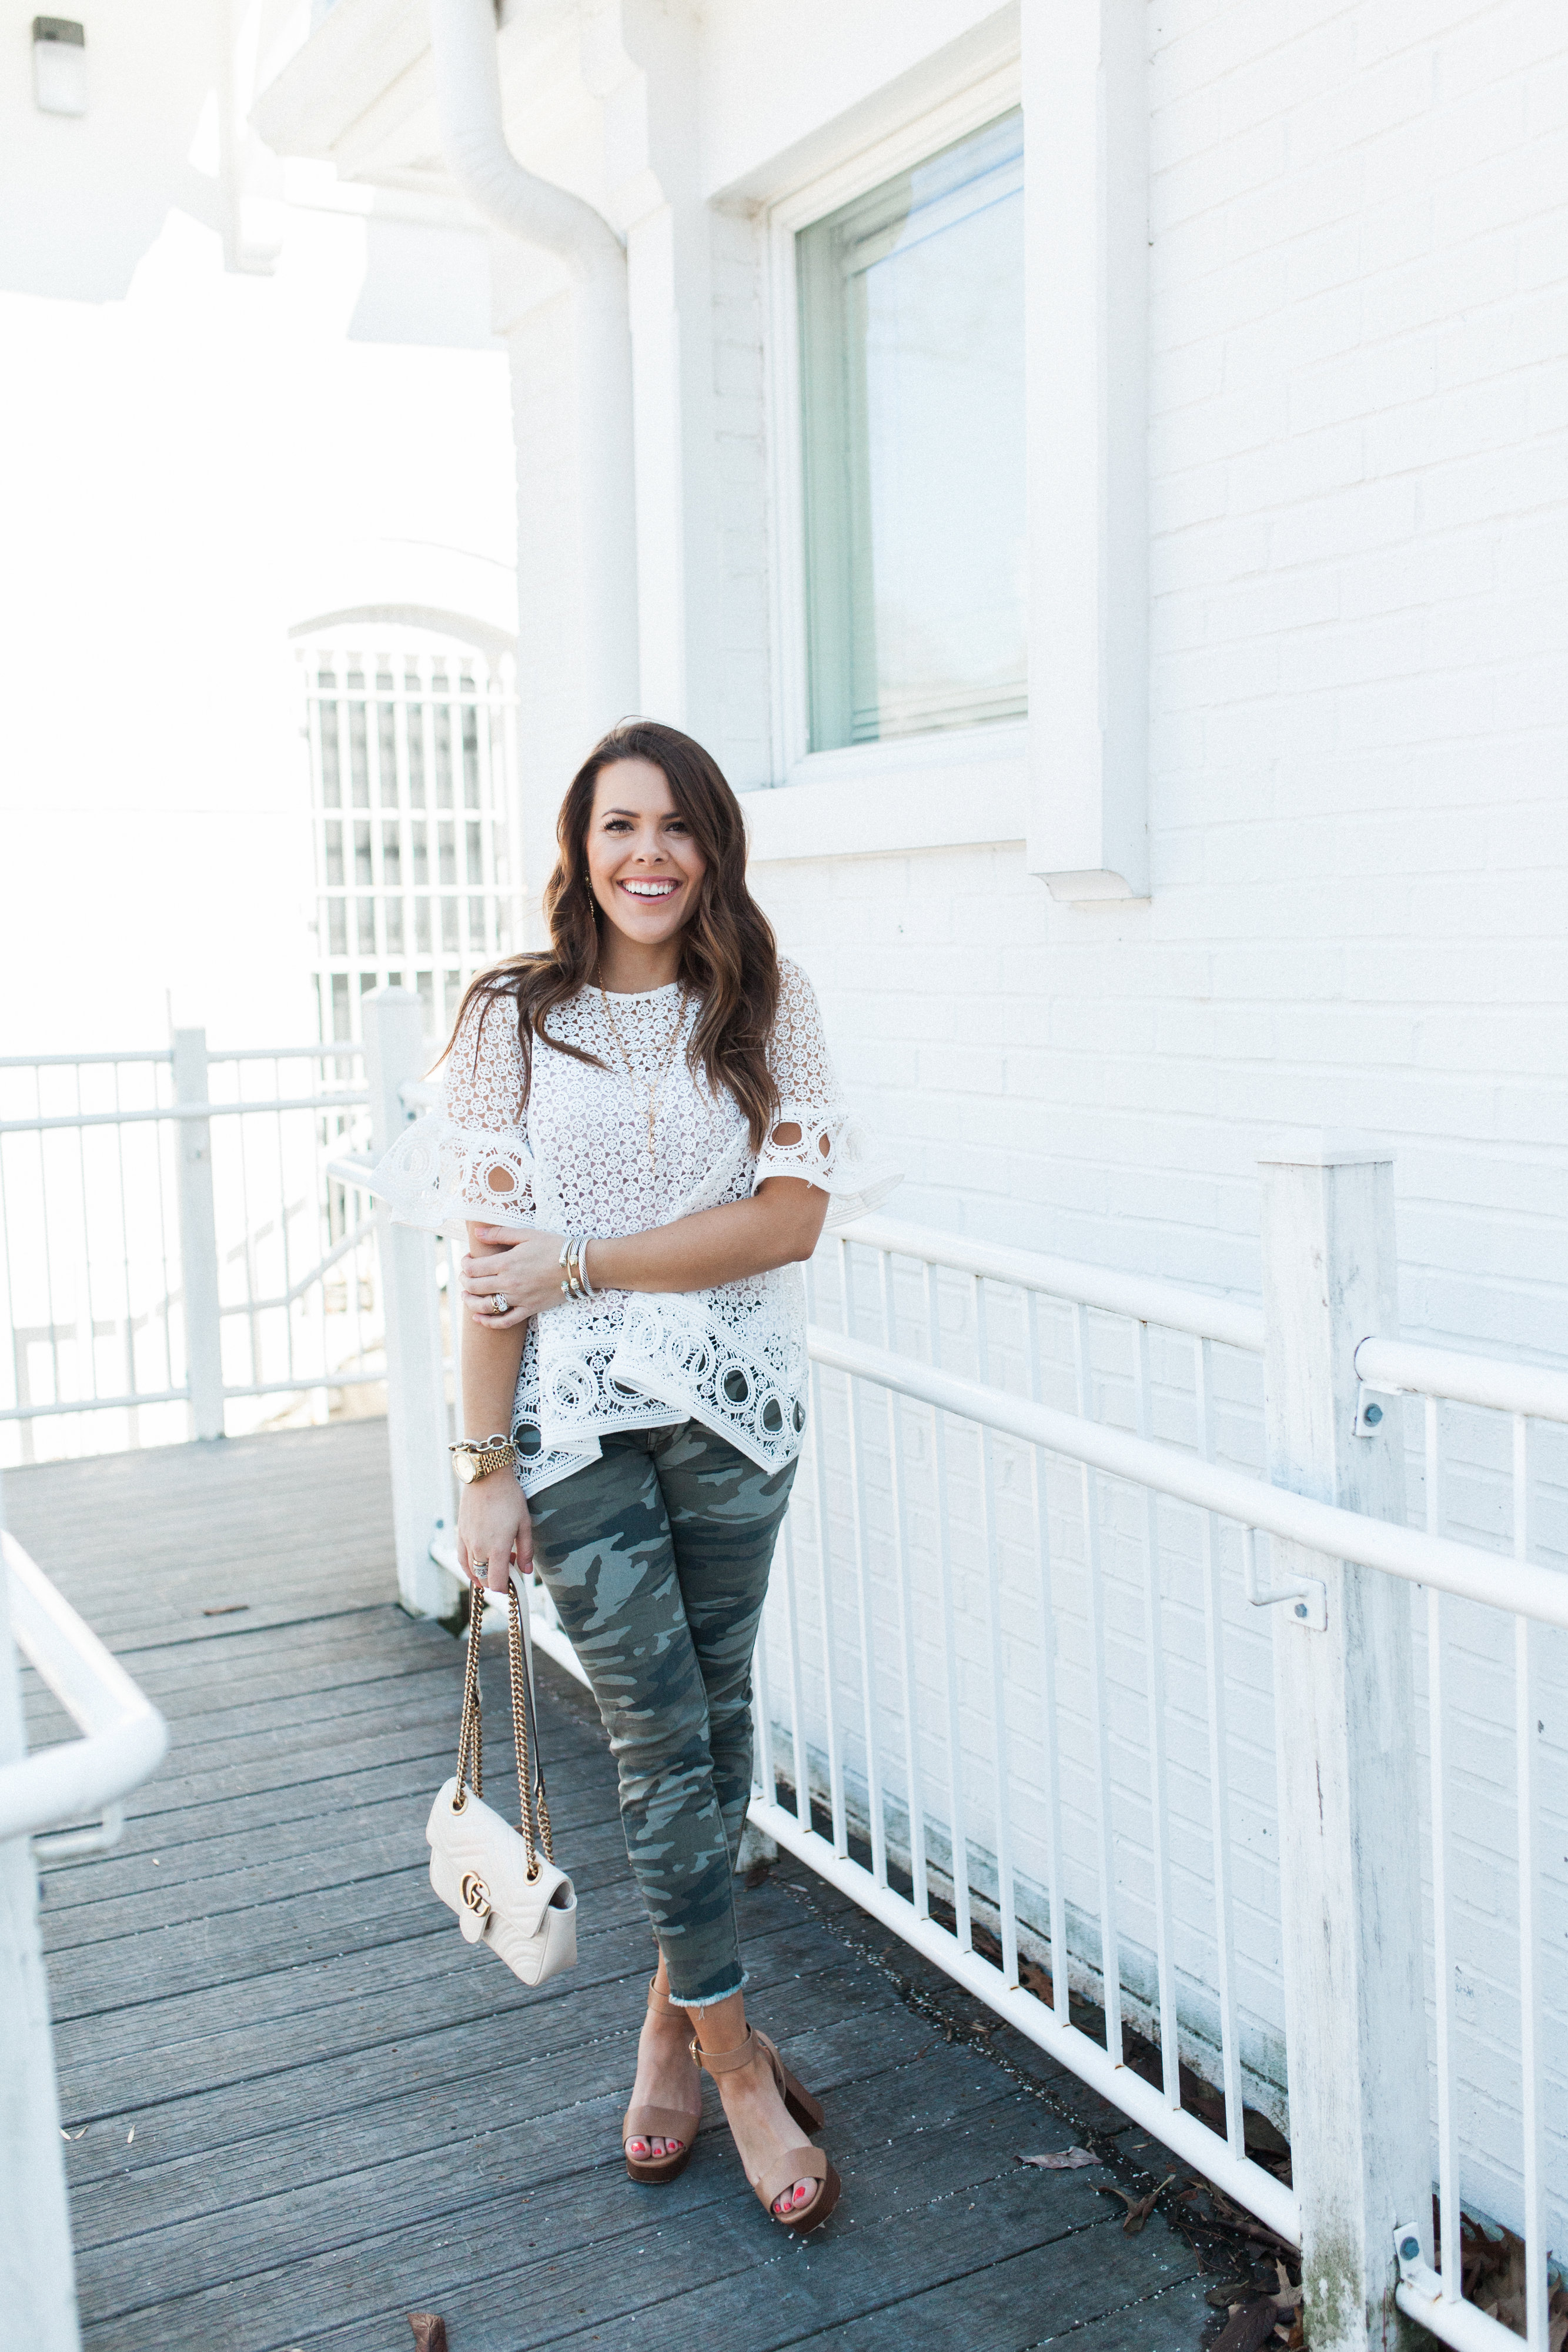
[299, 2106]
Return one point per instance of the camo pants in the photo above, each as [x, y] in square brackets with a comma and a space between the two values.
[656, 1557]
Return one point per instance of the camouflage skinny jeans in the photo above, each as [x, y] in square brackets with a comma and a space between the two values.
[656, 1557]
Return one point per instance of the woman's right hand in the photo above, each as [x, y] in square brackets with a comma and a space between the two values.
[493, 1524]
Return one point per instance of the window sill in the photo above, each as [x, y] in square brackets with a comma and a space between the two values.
[921, 792]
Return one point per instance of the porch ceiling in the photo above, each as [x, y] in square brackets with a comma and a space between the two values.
[361, 92]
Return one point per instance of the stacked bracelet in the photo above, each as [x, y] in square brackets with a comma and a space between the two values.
[573, 1258]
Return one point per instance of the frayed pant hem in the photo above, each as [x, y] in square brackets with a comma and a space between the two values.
[712, 2000]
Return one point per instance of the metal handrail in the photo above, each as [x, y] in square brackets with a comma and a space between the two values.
[132, 1401]
[322, 1267]
[1407, 1553]
[1234, 1322]
[1401, 1367]
[338, 1099]
[125, 1737]
[339, 1052]
[82, 1060]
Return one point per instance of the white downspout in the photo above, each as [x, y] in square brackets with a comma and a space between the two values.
[474, 144]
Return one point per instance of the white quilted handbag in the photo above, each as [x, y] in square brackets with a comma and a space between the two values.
[502, 1882]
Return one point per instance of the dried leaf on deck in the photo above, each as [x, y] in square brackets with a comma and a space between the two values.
[1139, 2208]
[1066, 2160]
[429, 2331]
[1034, 1979]
[1249, 2330]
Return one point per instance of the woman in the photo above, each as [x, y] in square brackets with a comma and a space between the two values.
[646, 1119]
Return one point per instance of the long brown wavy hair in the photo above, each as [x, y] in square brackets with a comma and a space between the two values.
[729, 960]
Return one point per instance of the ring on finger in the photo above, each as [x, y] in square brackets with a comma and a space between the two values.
[500, 1304]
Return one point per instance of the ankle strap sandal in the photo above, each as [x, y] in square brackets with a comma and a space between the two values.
[800, 2163]
[663, 2123]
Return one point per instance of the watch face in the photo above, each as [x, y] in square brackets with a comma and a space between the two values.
[463, 1465]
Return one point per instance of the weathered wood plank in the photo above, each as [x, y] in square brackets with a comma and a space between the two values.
[312, 2000]
[918, 2167]
[476, 2077]
[262, 1840]
[201, 2099]
[355, 1918]
[342, 2113]
[296, 1524]
[488, 2155]
[381, 1849]
[201, 1773]
[1171, 2319]
[992, 2301]
[329, 1665]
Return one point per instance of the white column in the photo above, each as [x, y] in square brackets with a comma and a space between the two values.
[199, 1240]
[1086, 323]
[416, 1391]
[1344, 1714]
[37, 2289]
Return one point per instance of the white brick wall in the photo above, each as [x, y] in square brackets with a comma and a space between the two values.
[1359, 824]
[744, 698]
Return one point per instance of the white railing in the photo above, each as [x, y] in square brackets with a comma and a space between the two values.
[124, 1737]
[50, 1798]
[1523, 1393]
[828, 1723]
[170, 1249]
[862, 1710]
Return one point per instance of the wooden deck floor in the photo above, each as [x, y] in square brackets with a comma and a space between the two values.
[300, 2107]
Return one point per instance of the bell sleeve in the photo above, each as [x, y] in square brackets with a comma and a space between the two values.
[469, 1161]
[828, 1145]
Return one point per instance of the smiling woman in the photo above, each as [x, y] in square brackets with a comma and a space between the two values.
[644, 1133]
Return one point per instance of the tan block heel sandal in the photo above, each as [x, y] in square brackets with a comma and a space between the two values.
[661, 2123]
[800, 2163]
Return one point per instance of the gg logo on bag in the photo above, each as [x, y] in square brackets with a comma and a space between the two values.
[502, 1878]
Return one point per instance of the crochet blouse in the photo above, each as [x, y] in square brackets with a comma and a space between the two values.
[576, 1159]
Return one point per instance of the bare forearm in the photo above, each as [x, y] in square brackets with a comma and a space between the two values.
[779, 1225]
[490, 1361]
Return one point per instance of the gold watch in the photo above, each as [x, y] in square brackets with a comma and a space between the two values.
[475, 1457]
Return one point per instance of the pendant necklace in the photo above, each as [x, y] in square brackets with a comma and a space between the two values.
[656, 1088]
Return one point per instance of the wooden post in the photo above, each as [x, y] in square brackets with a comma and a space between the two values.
[416, 1390]
[37, 2290]
[1344, 1718]
[199, 1241]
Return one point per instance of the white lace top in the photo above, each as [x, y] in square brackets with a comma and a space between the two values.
[577, 1160]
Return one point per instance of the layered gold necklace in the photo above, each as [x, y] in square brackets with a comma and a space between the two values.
[654, 1088]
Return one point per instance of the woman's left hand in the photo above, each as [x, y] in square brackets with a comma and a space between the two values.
[523, 1268]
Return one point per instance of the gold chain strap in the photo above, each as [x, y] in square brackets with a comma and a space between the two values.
[470, 1735]
[533, 1804]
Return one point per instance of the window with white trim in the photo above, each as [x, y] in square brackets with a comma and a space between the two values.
[912, 399]
[410, 804]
